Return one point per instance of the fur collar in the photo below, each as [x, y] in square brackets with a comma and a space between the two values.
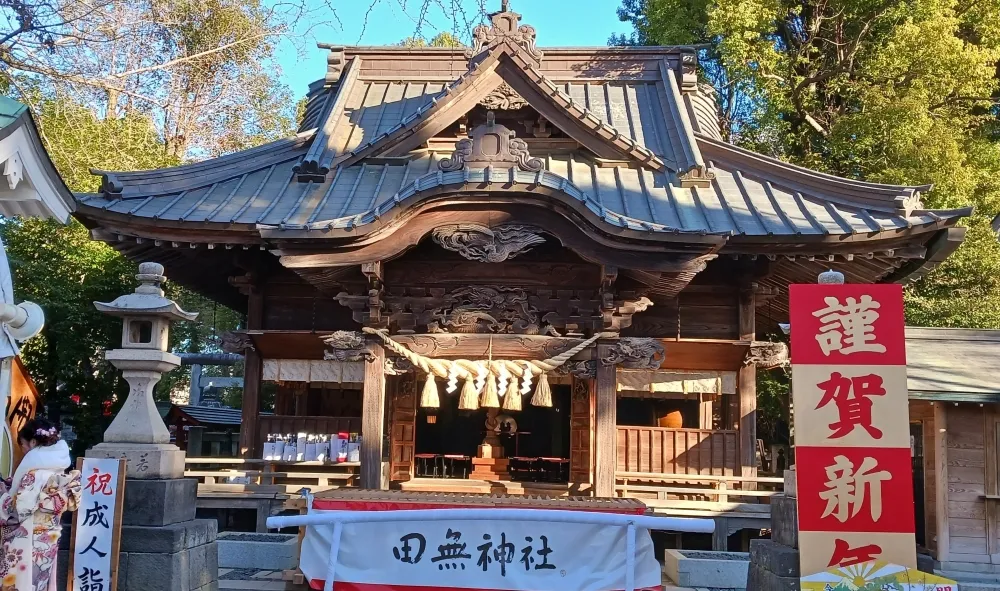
[53, 457]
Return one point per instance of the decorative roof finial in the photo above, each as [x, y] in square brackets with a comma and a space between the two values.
[505, 27]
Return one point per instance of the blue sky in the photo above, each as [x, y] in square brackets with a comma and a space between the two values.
[559, 23]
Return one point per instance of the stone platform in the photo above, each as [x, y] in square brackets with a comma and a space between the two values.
[774, 563]
[163, 547]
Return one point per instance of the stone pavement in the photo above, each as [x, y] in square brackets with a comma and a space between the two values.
[251, 580]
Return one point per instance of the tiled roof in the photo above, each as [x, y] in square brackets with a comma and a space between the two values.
[215, 416]
[738, 202]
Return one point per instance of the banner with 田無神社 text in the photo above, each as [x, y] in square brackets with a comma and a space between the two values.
[501, 555]
[852, 446]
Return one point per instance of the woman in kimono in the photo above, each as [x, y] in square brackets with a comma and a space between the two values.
[31, 507]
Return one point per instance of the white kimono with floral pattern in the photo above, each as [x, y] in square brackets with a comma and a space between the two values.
[30, 517]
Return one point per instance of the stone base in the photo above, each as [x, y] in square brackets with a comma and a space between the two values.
[259, 551]
[790, 480]
[774, 563]
[178, 557]
[699, 569]
[784, 521]
[773, 567]
[159, 502]
[146, 461]
[490, 469]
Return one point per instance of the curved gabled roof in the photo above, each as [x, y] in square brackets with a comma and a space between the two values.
[750, 196]
[648, 160]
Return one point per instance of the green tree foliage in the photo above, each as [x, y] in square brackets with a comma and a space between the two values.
[64, 271]
[444, 39]
[203, 70]
[893, 91]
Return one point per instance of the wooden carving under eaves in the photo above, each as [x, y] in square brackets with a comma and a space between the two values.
[480, 243]
[346, 345]
[583, 370]
[397, 366]
[236, 342]
[505, 27]
[496, 309]
[767, 355]
[635, 353]
[491, 145]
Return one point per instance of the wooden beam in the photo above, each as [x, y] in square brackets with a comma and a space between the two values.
[373, 418]
[606, 419]
[940, 452]
[747, 388]
[252, 377]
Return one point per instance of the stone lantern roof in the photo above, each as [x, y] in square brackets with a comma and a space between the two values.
[148, 299]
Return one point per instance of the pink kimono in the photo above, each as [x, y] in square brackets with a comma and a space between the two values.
[30, 516]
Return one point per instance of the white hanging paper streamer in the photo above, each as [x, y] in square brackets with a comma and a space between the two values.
[503, 378]
[481, 376]
[452, 379]
[526, 380]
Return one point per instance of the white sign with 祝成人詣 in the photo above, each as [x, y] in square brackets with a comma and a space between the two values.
[97, 524]
[496, 555]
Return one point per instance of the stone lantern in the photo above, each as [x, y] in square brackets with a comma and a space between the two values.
[138, 433]
[159, 504]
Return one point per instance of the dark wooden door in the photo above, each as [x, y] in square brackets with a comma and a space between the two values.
[581, 432]
[403, 427]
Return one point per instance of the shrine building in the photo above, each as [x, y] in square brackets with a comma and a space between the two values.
[516, 270]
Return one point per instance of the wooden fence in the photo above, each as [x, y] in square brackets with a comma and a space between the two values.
[678, 451]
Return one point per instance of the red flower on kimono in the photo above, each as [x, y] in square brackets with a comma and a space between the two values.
[28, 480]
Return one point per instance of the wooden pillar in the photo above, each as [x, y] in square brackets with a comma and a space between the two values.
[301, 393]
[606, 419]
[252, 375]
[195, 441]
[747, 388]
[373, 417]
[940, 452]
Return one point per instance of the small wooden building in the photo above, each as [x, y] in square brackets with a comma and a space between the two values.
[955, 427]
[509, 203]
[205, 431]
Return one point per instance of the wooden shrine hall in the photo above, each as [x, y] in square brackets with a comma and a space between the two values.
[513, 269]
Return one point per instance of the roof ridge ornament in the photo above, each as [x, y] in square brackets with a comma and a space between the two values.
[494, 146]
[505, 27]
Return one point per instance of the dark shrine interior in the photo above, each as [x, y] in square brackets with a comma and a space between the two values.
[448, 432]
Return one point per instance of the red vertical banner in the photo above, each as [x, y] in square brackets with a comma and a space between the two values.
[852, 445]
